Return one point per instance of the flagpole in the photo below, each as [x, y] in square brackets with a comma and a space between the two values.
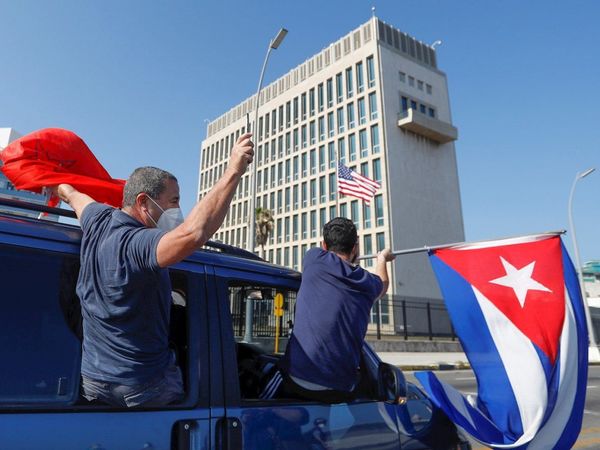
[427, 248]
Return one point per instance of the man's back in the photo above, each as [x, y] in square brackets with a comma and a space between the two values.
[125, 298]
[332, 313]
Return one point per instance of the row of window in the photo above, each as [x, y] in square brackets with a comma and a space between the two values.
[407, 103]
[308, 104]
[325, 95]
[307, 225]
[301, 195]
[420, 84]
[319, 130]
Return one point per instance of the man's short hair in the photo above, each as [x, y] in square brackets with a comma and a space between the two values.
[340, 235]
[149, 180]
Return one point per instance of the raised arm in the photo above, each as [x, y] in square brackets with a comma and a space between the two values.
[381, 268]
[75, 199]
[208, 214]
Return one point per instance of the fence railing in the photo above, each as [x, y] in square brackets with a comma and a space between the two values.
[389, 316]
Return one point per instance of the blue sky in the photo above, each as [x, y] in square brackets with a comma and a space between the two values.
[137, 79]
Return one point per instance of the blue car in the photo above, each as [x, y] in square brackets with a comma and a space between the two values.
[40, 350]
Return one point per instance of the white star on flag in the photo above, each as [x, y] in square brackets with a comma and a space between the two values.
[519, 280]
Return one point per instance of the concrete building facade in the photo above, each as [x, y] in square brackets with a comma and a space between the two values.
[375, 101]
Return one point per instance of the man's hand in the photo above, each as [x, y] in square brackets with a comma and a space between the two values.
[72, 197]
[386, 255]
[242, 154]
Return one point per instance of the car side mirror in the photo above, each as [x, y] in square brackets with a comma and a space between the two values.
[391, 384]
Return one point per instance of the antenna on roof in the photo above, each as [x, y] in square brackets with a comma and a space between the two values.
[372, 11]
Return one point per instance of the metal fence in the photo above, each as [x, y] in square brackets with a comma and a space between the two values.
[410, 318]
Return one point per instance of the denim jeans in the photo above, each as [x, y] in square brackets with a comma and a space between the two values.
[162, 390]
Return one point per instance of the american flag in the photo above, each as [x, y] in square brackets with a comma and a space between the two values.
[355, 184]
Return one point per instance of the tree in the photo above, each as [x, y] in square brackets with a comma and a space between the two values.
[264, 227]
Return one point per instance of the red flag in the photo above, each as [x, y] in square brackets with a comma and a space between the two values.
[52, 156]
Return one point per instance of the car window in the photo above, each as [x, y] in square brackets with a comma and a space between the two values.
[261, 337]
[39, 343]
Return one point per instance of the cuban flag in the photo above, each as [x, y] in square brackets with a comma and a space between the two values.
[517, 309]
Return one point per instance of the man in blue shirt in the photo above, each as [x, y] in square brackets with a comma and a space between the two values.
[124, 284]
[332, 313]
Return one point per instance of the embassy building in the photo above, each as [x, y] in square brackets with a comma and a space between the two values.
[376, 102]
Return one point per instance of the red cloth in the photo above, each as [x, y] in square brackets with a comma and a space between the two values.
[53, 156]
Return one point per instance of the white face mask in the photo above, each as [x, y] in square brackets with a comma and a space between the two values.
[169, 219]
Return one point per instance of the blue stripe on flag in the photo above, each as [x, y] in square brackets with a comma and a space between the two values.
[469, 323]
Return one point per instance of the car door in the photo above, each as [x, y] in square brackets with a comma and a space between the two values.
[292, 424]
[40, 350]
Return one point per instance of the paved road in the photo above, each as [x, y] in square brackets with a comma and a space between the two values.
[589, 438]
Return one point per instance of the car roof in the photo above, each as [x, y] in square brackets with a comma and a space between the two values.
[66, 237]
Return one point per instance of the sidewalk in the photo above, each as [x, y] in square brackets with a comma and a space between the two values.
[426, 360]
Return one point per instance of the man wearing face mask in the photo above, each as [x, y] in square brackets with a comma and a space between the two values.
[332, 313]
[124, 284]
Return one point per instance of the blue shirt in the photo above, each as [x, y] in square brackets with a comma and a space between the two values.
[125, 298]
[332, 314]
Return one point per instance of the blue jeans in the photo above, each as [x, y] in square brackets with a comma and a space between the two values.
[162, 390]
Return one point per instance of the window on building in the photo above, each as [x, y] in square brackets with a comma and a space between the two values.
[350, 114]
[322, 218]
[332, 212]
[288, 145]
[373, 106]
[322, 158]
[312, 132]
[279, 201]
[304, 194]
[377, 170]
[340, 120]
[311, 102]
[320, 99]
[303, 106]
[370, 71]
[304, 164]
[329, 92]
[303, 225]
[313, 224]
[429, 89]
[431, 112]
[362, 139]
[288, 114]
[375, 139]
[339, 87]
[331, 152]
[344, 210]
[362, 113]
[354, 213]
[402, 76]
[411, 81]
[342, 150]
[295, 195]
[352, 147]
[286, 227]
[379, 210]
[367, 249]
[380, 238]
[288, 171]
[295, 227]
[321, 128]
[313, 192]
[287, 199]
[280, 146]
[313, 161]
[360, 81]
[330, 124]
[366, 215]
[349, 83]
[295, 166]
[322, 189]
[267, 123]
[296, 140]
[332, 186]
[422, 108]
[286, 256]
[295, 112]
[419, 85]
[303, 132]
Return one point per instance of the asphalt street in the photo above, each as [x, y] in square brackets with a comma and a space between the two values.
[589, 438]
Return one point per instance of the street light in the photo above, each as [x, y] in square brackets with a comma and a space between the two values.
[275, 42]
[594, 353]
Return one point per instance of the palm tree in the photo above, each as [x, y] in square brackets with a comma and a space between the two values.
[264, 226]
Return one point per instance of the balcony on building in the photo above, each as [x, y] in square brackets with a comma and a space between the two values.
[429, 127]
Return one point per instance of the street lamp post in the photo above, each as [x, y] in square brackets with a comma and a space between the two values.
[275, 42]
[594, 353]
